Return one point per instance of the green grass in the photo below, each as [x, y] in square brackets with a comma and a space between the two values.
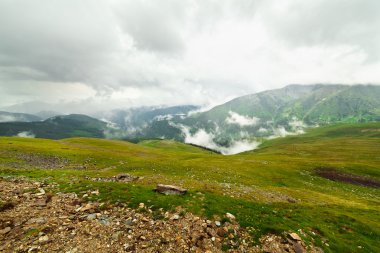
[254, 186]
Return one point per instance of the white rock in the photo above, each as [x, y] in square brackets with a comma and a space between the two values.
[175, 217]
[295, 237]
[44, 238]
[230, 216]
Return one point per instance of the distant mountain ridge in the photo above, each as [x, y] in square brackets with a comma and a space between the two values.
[241, 123]
[311, 103]
[274, 113]
[17, 117]
[57, 127]
[117, 124]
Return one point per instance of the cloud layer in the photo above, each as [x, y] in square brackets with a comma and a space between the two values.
[202, 138]
[110, 54]
[241, 120]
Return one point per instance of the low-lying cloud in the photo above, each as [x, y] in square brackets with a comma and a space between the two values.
[26, 134]
[296, 127]
[202, 138]
[241, 120]
[7, 118]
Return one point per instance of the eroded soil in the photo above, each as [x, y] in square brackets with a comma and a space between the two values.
[336, 175]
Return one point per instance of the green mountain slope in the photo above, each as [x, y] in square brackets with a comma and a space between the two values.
[314, 103]
[353, 104]
[58, 127]
[285, 111]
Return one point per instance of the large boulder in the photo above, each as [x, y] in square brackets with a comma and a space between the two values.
[170, 189]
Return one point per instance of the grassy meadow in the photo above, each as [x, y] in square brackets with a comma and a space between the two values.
[274, 189]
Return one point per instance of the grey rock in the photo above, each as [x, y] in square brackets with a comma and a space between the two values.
[91, 216]
[170, 189]
[5, 231]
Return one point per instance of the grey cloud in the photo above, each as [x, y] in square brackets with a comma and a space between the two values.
[154, 25]
[326, 22]
[65, 40]
[134, 52]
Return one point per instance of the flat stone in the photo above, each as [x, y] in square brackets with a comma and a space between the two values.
[175, 217]
[88, 207]
[91, 216]
[170, 189]
[96, 192]
[40, 202]
[230, 216]
[33, 248]
[5, 231]
[43, 239]
[295, 237]
[40, 220]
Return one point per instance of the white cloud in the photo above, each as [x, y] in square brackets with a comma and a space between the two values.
[240, 146]
[202, 138]
[282, 132]
[7, 118]
[241, 120]
[163, 117]
[26, 134]
[262, 130]
[297, 126]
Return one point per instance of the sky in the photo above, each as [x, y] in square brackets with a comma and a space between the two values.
[86, 56]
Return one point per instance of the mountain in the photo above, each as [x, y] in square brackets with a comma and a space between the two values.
[32, 107]
[147, 120]
[47, 114]
[58, 127]
[236, 126]
[312, 104]
[273, 113]
[17, 117]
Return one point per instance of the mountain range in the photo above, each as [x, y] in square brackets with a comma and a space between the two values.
[240, 124]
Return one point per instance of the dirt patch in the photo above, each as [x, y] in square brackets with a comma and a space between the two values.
[43, 161]
[29, 160]
[336, 175]
[119, 178]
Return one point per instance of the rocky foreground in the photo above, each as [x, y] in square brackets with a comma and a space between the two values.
[34, 219]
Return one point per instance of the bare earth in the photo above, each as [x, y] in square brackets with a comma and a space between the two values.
[32, 219]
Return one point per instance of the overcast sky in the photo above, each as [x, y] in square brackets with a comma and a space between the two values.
[93, 55]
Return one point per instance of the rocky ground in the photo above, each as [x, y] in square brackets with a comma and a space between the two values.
[34, 219]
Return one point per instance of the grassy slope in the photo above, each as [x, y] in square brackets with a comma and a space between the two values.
[255, 186]
[57, 127]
